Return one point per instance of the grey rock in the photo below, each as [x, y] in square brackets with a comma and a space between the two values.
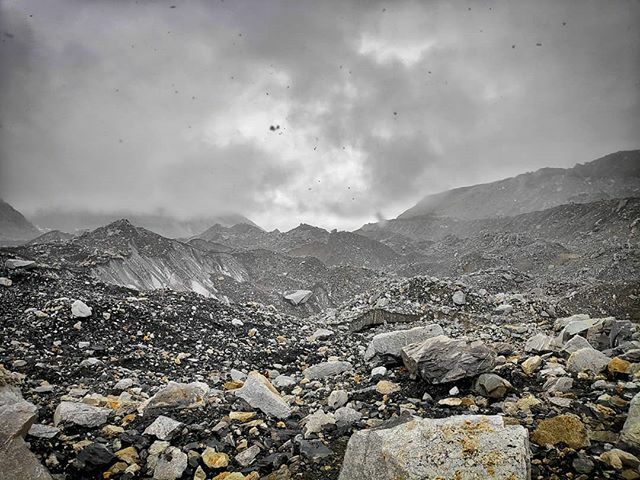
[317, 422]
[378, 372]
[247, 457]
[322, 334]
[79, 309]
[284, 381]
[39, 430]
[459, 298]
[587, 360]
[326, 369]
[540, 343]
[438, 448]
[491, 385]
[576, 327]
[258, 392]
[337, 399]
[389, 344]
[180, 395]
[123, 384]
[170, 465]
[298, 297]
[503, 309]
[558, 384]
[630, 434]
[80, 414]
[442, 359]
[14, 263]
[163, 428]
[575, 344]
[6, 282]
[346, 416]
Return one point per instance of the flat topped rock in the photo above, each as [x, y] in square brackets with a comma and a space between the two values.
[458, 447]
[390, 344]
[80, 414]
[13, 263]
[179, 395]
[326, 369]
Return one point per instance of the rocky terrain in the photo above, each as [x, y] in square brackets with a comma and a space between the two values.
[14, 226]
[441, 345]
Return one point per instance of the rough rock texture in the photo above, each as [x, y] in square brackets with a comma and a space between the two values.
[258, 392]
[180, 395]
[630, 434]
[442, 359]
[326, 369]
[80, 414]
[567, 429]
[587, 360]
[385, 346]
[464, 446]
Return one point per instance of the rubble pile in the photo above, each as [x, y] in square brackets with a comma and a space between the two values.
[121, 384]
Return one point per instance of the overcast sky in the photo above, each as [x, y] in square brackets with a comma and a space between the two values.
[153, 105]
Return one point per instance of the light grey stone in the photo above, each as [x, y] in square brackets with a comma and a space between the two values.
[39, 430]
[337, 399]
[317, 421]
[258, 392]
[540, 343]
[79, 309]
[491, 385]
[163, 428]
[587, 360]
[14, 263]
[438, 448]
[390, 344]
[630, 434]
[346, 416]
[247, 457]
[171, 464]
[326, 369]
[180, 395]
[459, 298]
[576, 343]
[298, 297]
[80, 414]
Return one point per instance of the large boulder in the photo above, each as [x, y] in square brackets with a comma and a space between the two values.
[442, 359]
[464, 446]
[388, 346]
[17, 462]
[258, 392]
[630, 434]
[587, 360]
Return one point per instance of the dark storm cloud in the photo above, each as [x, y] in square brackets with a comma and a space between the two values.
[136, 105]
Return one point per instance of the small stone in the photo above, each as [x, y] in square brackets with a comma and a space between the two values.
[459, 298]
[322, 334]
[284, 381]
[79, 309]
[378, 372]
[531, 364]
[128, 455]
[587, 360]
[582, 463]
[247, 457]
[258, 392]
[317, 421]
[385, 387]
[491, 385]
[619, 458]
[242, 416]
[337, 399]
[346, 416]
[618, 365]
[326, 369]
[179, 396]
[5, 282]
[213, 459]
[43, 431]
[163, 428]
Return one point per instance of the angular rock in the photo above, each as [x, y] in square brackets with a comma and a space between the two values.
[459, 298]
[258, 392]
[388, 346]
[322, 334]
[298, 297]
[326, 369]
[213, 459]
[39, 430]
[491, 385]
[540, 343]
[587, 360]
[576, 343]
[442, 359]
[79, 309]
[630, 434]
[448, 448]
[80, 414]
[180, 395]
[337, 399]
[531, 364]
[567, 429]
[246, 457]
[317, 421]
[346, 416]
[163, 428]
[170, 465]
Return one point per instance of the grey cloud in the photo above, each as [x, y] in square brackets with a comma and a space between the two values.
[121, 105]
